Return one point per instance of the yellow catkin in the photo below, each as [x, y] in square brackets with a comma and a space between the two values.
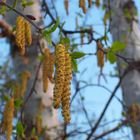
[82, 5]
[66, 3]
[66, 89]
[51, 67]
[16, 91]
[134, 113]
[100, 54]
[20, 34]
[24, 80]
[89, 3]
[8, 118]
[45, 69]
[28, 33]
[59, 79]
[97, 3]
[39, 124]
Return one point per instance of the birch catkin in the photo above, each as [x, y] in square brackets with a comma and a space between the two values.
[16, 91]
[24, 80]
[28, 33]
[82, 5]
[66, 4]
[66, 89]
[100, 54]
[8, 118]
[45, 69]
[133, 113]
[59, 79]
[51, 67]
[89, 3]
[39, 124]
[20, 34]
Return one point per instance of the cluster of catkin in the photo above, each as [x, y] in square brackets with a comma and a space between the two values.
[100, 54]
[133, 113]
[62, 81]
[82, 4]
[8, 115]
[23, 34]
[48, 68]
[19, 89]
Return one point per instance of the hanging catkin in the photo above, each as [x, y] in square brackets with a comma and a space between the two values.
[59, 79]
[20, 34]
[133, 113]
[66, 89]
[16, 91]
[51, 67]
[8, 118]
[28, 33]
[82, 5]
[39, 124]
[66, 3]
[45, 69]
[100, 54]
[24, 80]
[89, 3]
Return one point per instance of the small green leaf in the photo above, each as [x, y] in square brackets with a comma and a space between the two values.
[48, 38]
[40, 57]
[25, 3]
[74, 65]
[111, 57]
[117, 46]
[29, 3]
[77, 55]
[2, 10]
[127, 14]
[15, 3]
[20, 129]
[6, 97]
[18, 103]
[52, 28]
[65, 40]
[105, 38]
[33, 132]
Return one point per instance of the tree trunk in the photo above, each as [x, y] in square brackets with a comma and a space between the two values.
[29, 62]
[127, 30]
